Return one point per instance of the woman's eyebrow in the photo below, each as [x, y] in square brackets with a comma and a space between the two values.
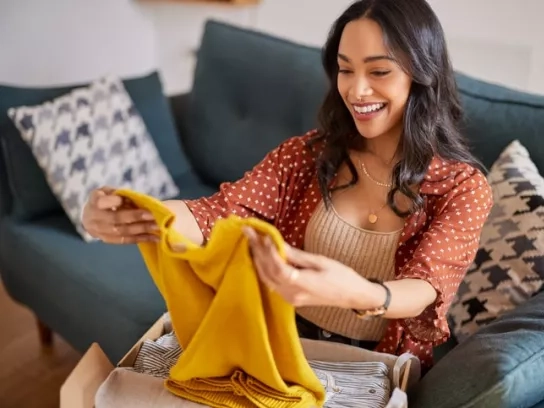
[371, 58]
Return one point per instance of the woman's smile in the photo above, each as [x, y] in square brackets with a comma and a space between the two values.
[368, 111]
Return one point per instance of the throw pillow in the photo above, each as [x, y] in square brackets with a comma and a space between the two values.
[90, 137]
[509, 265]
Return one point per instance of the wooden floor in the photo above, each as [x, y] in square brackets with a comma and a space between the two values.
[30, 376]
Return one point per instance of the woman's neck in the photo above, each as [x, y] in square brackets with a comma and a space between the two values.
[384, 149]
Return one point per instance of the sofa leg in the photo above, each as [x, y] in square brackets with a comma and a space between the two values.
[45, 333]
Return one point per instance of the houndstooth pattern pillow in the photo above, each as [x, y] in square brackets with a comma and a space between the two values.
[509, 266]
[90, 137]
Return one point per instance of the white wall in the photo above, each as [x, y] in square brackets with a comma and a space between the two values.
[62, 41]
[178, 30]
[497, 40]
[65, 41]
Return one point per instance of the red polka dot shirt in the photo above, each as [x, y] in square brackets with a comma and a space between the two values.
[437, 244]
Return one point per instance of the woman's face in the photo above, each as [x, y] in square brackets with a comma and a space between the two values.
[373, 86]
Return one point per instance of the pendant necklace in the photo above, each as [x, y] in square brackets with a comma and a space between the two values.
[373, 215]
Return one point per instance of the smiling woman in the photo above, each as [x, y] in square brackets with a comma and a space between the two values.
[372, 84]
[389, 65]
[382, 206]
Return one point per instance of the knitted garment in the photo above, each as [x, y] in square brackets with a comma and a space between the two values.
[240, 341]
[369, 253]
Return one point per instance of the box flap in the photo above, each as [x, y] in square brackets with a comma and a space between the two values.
[80, 387]
[156, 331]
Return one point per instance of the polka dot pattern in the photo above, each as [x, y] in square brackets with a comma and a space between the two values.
[437, 244]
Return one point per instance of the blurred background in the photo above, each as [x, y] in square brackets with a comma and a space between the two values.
[65, 42]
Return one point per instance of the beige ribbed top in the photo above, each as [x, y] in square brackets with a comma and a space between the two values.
[369, 253]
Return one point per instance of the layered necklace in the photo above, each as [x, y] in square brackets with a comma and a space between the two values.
[373, 215]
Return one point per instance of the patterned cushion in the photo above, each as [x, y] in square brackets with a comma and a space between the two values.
[509, 266]
[90, 137]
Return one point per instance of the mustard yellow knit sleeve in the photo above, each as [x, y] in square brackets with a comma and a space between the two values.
[240, 342]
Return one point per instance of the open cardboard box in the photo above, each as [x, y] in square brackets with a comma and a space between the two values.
[79, 389]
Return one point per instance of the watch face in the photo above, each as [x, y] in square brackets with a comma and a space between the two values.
[363, 314]
[377, 312]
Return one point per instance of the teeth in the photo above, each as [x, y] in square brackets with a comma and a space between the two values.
[369, 108]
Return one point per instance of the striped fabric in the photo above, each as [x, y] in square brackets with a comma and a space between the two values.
[157, 357]
[354, 384]
[347, 384]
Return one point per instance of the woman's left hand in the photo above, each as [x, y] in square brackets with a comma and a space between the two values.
[305, 279]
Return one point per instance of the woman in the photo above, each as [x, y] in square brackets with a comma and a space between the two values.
[382, 206]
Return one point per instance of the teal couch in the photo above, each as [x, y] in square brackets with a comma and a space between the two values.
[250, 92]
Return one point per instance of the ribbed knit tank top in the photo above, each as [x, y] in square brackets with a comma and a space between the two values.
[369, 253]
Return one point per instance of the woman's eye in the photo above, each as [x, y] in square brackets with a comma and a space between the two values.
[380, 73]
[344, 71]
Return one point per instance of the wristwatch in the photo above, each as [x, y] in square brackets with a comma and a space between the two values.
[379, 311]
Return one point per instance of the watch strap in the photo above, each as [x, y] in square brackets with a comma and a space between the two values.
[379, 310]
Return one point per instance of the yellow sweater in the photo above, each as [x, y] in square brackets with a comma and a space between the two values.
[240, 342]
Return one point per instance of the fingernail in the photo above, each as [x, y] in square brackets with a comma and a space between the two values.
[147, 216]
[154, 227]
[247, 231]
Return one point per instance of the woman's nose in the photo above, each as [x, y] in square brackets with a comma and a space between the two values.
[362, 88]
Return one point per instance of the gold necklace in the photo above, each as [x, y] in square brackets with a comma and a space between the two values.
[373, 215]
[379, 183]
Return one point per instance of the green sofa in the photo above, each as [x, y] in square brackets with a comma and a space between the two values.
[250, 92]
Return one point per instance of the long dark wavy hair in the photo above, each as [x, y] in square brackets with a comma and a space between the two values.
[431, 121]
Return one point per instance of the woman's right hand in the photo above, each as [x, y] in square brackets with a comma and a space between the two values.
[115, 220]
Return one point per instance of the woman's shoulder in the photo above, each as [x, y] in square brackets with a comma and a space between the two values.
[446, 175]
[301, 142]
[440, 168]
[299, 150]
[459, 183]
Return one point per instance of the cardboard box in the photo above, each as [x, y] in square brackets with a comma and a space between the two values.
[79, 389]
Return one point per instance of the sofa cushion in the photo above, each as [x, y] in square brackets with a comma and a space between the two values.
[495, 115]
[98, 284]
[499, 366]
[250, 92]
[32, 196]
[509, 265]
[192, 187]
[91, 137]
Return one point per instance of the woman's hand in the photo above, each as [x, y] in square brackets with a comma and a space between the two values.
[115, 220]
[306, 279]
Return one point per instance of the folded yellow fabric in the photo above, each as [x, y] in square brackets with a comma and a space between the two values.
[240, 342]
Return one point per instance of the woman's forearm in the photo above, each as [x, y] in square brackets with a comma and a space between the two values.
[185, 222]
[409, 297]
